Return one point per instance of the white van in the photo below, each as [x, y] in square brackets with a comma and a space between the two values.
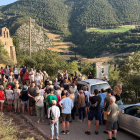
[93, 84]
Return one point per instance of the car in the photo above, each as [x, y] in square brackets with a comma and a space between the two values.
[129, 118]
[93, 84]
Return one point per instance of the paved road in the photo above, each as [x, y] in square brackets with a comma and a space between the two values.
[77, 130]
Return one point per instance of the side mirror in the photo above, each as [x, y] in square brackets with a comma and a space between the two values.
[122, 111]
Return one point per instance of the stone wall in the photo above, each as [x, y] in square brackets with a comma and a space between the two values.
[38, 39]
[8, 43]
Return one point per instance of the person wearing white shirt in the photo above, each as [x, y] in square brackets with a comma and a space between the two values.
[54, 120]
[41, 75]
[31, 75]
[37, 79]
[16, 72]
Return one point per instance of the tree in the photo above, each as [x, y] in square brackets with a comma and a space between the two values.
[130, 76]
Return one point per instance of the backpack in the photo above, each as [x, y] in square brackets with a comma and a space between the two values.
[86, 98]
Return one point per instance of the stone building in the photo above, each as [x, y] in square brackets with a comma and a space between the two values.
[8, 43]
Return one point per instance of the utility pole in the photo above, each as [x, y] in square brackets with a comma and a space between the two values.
[42, 24]
[86, 23]
[30, 35]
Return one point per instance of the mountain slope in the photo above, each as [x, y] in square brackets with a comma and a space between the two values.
[58, 14]
[52, 14]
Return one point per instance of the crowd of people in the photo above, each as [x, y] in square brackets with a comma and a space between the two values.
[60, 100]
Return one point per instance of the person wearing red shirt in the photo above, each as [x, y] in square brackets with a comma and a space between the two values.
[26, 75]
[2, 74]
[1, 99]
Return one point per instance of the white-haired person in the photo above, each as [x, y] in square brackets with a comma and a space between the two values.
[50, 84]
[112, 118]
[1, 99]
[54, 120]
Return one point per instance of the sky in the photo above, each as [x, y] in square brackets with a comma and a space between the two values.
[5, 2]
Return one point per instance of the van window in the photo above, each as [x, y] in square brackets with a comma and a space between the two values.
[80, 87]
[105, 86]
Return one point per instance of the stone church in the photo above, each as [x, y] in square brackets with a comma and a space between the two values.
[8, 43]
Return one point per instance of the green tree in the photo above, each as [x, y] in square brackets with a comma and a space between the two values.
[130, 76]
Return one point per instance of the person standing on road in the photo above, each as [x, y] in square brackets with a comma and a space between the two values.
[31, 75]
[65, 74]
[112, 118]
[94, 111]
[39, 106]
[73, 98]
[59, 75]
[1, 99]
[49, 99]
[106, 105]
[54, 120]
[81, 105]
[102, 95]
[32, 94]
[86, 93]
[24, 98]
[67, 105]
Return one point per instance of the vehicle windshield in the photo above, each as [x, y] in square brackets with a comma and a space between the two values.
[105, 86]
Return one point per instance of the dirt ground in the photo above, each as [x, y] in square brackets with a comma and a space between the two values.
[24, 128]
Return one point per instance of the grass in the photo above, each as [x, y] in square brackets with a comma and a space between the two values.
[116, 30]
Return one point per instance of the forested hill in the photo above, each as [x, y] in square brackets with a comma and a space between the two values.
[58, 14]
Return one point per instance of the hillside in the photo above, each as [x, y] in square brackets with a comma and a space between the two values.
[19, 28]
[96, 44]
[69, 18]
[59, 14]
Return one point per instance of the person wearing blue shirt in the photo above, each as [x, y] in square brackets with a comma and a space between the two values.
[66, 104]
[24, 70]
[102, 95]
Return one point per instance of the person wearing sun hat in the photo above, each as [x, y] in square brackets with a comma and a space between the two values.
[1, 99]
[9, 94]
[54, 120]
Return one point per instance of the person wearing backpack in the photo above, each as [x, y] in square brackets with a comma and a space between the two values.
[86, 93]
[49, 100]
[81, 105]
[54, 120]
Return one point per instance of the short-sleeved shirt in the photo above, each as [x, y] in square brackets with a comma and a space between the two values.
[41, 92]
[16, 92]
[24, 94]
[39, 101]
[113, 109]
[67, 104]
[87, 93]
[50, 98]
[9, 94]
[102, 95]
[107, 101]
[95, 103]
[31, 75]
